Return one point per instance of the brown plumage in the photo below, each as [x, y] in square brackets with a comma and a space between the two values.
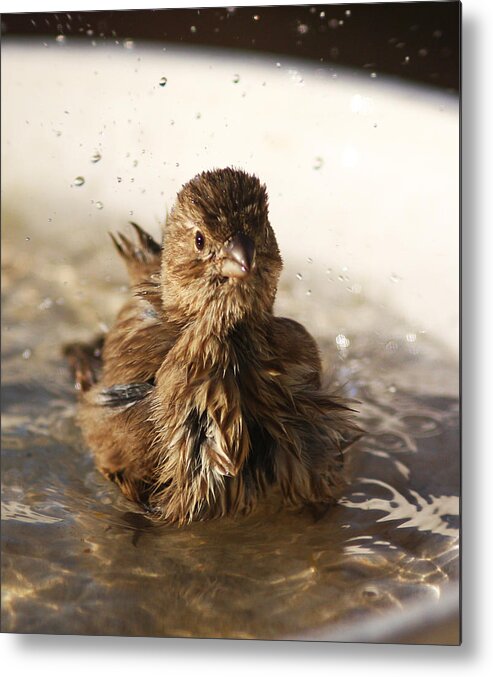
[202, 399]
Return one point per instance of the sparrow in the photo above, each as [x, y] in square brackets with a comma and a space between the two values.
[199, 399]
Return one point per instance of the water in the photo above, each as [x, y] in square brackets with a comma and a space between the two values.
[78, 558]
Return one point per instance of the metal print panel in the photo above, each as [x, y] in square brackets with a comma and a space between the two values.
[238, 417]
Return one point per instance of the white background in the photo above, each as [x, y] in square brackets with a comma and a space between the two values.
[53, 656]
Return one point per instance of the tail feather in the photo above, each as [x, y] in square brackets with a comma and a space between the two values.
[142, 257]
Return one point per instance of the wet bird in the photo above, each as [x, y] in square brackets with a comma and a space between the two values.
[199, 399]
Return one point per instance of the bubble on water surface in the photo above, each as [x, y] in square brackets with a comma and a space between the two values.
[46, 303]
[342, 341]
[96, 157]
[79, 181]
[163, 81]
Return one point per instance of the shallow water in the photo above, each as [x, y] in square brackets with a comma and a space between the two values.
[78, 558]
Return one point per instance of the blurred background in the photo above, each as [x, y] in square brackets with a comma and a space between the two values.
[412, 40]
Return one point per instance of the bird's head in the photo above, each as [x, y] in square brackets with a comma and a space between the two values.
[220, 255]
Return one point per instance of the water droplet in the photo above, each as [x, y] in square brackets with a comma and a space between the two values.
[256, 17]
[370, 593]
[407, 59]
[342, 342]
[27, 353]
[89, 32]
[98, 205]
[79, 181]
[322, 15]
[119, 179]
[198, 116]
[373, 75]
[128, 44]
[278, 64]
[236, 78]
[299, 276]
[355, 289]
[318, 163]
[347, 12]
[400, 45]
[193, 29]
[96, 157]
[309, 259]
[302, 29]
[395, 278]
[437, 34]
[28, 239]
[163, 81]
[135, 163]
[341, 22]
[60, 38]
[328, 271]
[392, 389]
[375, 125]
[309, 292]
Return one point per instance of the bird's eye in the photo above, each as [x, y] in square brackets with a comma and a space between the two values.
[199, 240]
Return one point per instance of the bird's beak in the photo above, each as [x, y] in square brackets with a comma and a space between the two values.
[238, 256]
